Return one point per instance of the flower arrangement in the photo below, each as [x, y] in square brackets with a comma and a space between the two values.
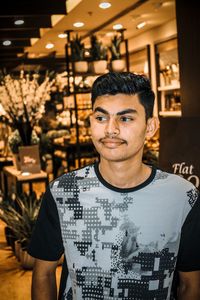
[22, 100]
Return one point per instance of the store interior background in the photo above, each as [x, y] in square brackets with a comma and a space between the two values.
[166, 49]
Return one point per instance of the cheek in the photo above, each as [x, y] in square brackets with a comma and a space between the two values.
[135, 133]
[96, 130]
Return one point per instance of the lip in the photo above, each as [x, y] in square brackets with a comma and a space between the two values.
[112, 143]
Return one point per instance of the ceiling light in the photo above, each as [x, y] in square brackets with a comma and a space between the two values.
[78, 24]
[19, 22]
[62, 35]
[141, 25]
[49, 46]
[105, 5]
[87, 53]
[7, 43]
[117, 26]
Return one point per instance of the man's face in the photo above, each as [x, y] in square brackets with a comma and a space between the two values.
[118, 127]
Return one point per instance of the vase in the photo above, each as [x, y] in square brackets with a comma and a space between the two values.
[99, 66]
[118, 65]
[16, 161]
[81, 66]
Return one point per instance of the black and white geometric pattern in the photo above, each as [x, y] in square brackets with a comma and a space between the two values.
[120, 245]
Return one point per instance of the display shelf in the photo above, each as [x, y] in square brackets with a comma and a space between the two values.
[169, 87]
[140, 61]
[78, 102]
[170, 113]
[167, 70]
[77, 107]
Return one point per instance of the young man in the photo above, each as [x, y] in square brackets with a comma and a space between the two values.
[123, 226]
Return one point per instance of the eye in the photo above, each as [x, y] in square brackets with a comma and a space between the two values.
[101, 118]
[126, 119]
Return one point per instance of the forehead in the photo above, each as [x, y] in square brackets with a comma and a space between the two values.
[115, 103]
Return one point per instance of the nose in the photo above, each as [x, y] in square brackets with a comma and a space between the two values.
[112, 128]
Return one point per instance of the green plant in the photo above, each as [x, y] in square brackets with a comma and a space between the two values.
[77, 49]
[97, 50]
[20, 216]
[115, 47]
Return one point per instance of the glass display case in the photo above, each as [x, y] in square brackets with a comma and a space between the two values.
[139, 61]
[168, 83]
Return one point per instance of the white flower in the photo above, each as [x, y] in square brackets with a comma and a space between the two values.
[23, 98]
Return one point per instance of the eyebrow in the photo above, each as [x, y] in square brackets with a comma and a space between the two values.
[120, 113]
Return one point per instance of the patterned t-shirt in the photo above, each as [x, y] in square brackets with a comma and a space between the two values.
[118, 243]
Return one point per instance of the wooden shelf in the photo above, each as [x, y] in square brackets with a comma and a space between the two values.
[170, 113]
[169, 87]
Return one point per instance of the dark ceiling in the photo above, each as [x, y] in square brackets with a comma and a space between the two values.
[36, 14]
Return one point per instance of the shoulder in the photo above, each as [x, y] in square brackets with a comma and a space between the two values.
[175, 186]
[73, 177]
[174, 179]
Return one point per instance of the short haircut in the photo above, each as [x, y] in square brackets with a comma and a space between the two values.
[128, 83]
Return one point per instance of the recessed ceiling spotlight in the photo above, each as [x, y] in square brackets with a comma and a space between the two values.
[7, 43]
[62, 35]
[117, 26]
[49, 46]
[141, 25]
[78, 24]
[87, 52]
[19, 22]
[105, 5]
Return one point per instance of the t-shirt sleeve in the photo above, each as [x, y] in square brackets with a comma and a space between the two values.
[189, 250]
[46, 240]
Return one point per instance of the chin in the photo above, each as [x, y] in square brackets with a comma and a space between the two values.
[113, 158]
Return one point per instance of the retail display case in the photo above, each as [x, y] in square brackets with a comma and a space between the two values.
[168, 83]
[139, 61]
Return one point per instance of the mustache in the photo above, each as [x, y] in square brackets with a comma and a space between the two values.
[112, 139]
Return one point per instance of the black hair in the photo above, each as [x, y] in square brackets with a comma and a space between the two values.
[128, 83]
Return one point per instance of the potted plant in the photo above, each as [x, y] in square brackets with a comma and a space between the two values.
[117, 63]
[98, 54]
[78, 54]
[20, 214]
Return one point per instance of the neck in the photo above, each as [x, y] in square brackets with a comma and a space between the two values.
[121, 175]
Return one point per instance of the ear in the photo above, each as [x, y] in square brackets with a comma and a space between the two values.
[152, 127]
